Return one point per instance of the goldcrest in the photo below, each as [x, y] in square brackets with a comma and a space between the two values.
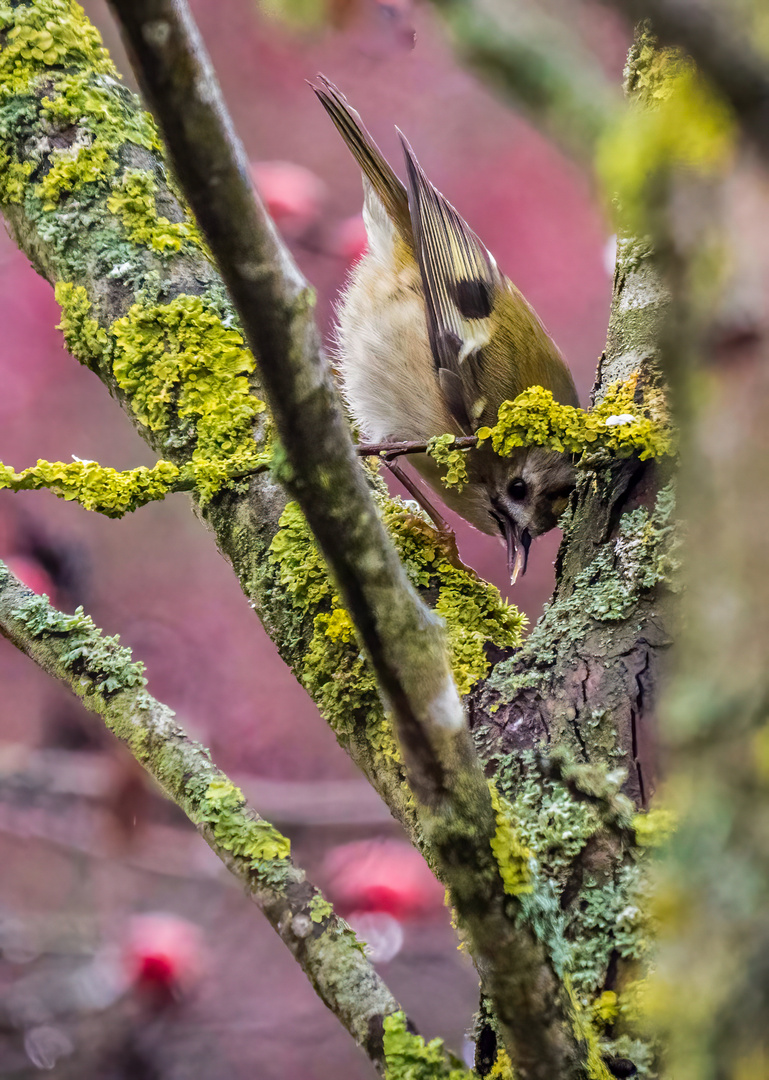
[432, 338]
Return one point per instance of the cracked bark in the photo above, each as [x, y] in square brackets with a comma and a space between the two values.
[591, 683]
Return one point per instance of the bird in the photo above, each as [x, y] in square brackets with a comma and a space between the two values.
[431, 338]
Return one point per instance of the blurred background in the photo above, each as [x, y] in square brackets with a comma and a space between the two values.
[125, 949]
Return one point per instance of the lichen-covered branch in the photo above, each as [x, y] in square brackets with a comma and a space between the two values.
[86, 194]
[106, 679]
[532, 419]
[720, 41]
[586, 676]
[144, 308]
[404, 641]
[710, 992]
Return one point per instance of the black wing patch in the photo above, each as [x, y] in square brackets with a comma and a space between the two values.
[473, 299]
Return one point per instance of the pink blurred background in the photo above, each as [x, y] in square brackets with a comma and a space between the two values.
[91, 847]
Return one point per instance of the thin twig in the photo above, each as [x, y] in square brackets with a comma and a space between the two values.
[396, 449]
[404, 640]
[109, 683]
[721, 48]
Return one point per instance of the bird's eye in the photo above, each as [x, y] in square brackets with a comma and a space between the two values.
[517, 489]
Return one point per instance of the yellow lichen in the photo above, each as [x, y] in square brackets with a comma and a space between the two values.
[619, 425]
[513, 858]
[675, 121]
[133, 202]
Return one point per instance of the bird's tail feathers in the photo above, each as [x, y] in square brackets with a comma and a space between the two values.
[375, 168]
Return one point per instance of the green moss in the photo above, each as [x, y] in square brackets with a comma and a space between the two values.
[453, 461]
[223, 808]
[180, 356]
[14, 176]
[409, 1057]
[89, 125]
[320, 908]
[100, 106]
[94, 662]
[332, 667]
[585, 1031]
[177, 358]
[86, 339]
[618, 425]
[473, 610]
[549, 821]
[133, 202]
[106, 491]
[612, 918]
[644, 554]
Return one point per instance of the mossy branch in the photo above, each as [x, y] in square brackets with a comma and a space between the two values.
[155, 324]
[110, 683]
[532, 419]
[152, 319]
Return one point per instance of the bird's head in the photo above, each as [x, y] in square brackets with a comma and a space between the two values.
[526, 493]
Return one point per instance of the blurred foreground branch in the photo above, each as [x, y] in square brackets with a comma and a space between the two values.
[108, 682]
[720, 43]
[527, 59]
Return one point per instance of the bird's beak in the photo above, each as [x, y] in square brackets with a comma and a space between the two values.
[518, 545]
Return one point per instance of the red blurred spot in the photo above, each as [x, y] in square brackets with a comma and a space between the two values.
[293, 195]
[163, 956]
[351, 241]
[382, 875]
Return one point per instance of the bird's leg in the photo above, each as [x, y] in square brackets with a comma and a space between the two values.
[446, 537]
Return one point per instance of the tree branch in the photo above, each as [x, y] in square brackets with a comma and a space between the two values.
[102, 674]
[721, 48]
[527, 58]
[204, 407]
[391, 450]
[405, 642]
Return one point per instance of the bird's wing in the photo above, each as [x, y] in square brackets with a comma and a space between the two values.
[385, 183]
[460, 279]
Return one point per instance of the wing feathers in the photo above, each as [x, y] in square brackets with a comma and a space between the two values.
[460, 279]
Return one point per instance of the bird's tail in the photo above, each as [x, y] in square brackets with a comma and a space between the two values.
[385, 183]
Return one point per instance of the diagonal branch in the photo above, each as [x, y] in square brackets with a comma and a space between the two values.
[405, 642]
[104, 677]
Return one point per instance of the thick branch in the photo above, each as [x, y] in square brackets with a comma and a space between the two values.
[102, 674]
[404, 641]
[79, 149]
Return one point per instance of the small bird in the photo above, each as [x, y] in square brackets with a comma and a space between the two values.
[432, 338]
